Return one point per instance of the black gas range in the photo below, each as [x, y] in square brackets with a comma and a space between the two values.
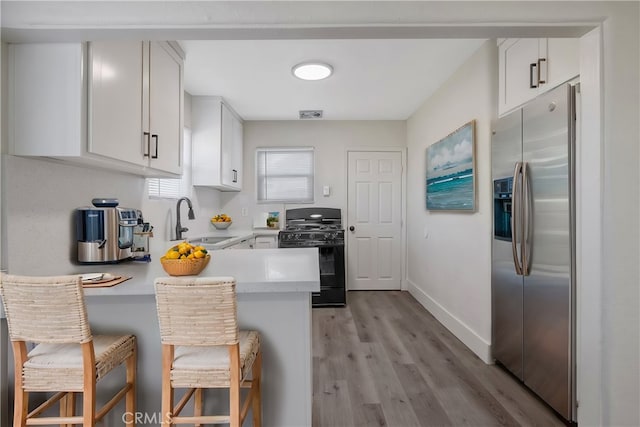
[320, 228]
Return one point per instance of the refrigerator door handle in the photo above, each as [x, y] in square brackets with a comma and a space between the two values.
[515, 217]
[527, 226]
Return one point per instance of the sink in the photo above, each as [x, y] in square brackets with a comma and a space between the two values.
[211, 240]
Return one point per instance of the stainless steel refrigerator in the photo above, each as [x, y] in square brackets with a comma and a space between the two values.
[533, 258]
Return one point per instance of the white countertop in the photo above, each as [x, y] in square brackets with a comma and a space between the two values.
[255, 270]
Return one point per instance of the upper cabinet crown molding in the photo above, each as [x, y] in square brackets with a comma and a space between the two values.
[530, 67]
[114, 105]
[217, 144]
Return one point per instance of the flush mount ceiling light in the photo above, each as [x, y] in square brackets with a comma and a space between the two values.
[312, 70]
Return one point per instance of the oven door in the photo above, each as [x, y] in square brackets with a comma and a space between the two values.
[332, 277]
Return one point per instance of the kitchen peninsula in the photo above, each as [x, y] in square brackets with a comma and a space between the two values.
[274, 297]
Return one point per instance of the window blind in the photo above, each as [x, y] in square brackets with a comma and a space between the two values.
[164, 188]
[285, 175]
[174, 188]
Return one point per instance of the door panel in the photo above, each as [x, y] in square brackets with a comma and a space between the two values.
[165, 94]
[507, 297]
[116, 101]
[547, 290]
[362, 201]
[385, 256]
[374, 210]
[364, 252]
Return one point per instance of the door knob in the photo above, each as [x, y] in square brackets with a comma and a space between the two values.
[352, 228]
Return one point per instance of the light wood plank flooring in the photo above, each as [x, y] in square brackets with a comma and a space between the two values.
[385, 361]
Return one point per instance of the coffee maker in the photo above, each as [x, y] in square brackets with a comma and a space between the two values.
[104, 232]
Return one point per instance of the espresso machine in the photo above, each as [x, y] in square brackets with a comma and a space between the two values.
[105, 232]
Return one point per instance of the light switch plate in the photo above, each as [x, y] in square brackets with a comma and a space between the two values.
[326, 191]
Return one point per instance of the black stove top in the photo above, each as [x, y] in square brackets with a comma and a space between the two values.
[312, 227]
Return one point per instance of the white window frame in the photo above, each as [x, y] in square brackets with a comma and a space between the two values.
[285, 149]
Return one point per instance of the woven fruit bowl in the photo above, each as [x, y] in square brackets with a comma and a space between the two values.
[184, 267]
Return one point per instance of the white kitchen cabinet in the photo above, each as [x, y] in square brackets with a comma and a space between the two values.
[165, 108]
[530, 67]
[116, 105]
[266, 242]
[217, 144]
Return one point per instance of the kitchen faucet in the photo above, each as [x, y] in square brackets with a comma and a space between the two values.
[179, 228]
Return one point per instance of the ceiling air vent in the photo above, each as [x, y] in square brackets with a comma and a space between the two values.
[310, 114]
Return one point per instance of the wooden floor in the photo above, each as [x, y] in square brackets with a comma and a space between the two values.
[385, 361]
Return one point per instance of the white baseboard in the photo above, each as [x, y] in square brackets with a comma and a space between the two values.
[477, 344]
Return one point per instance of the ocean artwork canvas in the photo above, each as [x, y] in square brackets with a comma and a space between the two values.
[451, 171]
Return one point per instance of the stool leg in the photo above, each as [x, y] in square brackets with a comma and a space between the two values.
[21, 398]
[68, 407]
[197, 405]
[167, 392]
[89, 387]
[234, 386]
[20, 409]
[130, 402]
[256, 373]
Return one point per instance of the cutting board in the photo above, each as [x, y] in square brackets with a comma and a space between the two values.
[106, 282]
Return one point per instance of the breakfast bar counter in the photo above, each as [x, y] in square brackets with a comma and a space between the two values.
[274, 297]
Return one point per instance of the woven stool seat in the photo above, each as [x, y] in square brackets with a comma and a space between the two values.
[67, 359]
[59, 366]
[202, 348]
[209, 366]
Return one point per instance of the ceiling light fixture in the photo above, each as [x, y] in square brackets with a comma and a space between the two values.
[312, 70]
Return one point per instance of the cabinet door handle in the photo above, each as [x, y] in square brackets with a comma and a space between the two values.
[235, 175]
[541, 62]
[155, 137]
[532, 85]
[146, 144]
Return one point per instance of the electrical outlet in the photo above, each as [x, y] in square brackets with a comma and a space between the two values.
[245, 211]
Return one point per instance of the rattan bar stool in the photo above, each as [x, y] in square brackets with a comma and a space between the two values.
[203, 348]
[67, 359]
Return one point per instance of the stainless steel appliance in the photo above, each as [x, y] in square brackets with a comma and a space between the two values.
[104, 234]
[533, 268]
[320, 228]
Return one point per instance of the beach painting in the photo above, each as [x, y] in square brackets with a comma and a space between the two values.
[451, 171]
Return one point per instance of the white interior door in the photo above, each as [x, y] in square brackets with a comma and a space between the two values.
[374, 220]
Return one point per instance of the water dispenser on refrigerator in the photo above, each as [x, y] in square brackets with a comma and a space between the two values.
[502, 189]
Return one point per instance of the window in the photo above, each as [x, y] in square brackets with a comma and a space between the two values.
[284, 175]
[174, 188]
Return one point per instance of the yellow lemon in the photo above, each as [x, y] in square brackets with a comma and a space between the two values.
[173, 255]
[199, 254]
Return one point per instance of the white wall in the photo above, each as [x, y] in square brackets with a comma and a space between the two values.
[621, 218]
[449, 270]
[330, 140]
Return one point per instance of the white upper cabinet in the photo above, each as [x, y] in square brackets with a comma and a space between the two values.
[116, 101]
[165, 108]
[530, 67]
[217, 141]
[116, 105]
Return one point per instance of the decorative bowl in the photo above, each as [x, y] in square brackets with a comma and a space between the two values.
[184, 267]
[221, 225]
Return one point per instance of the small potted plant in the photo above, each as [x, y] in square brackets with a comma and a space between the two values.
[272, 220]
